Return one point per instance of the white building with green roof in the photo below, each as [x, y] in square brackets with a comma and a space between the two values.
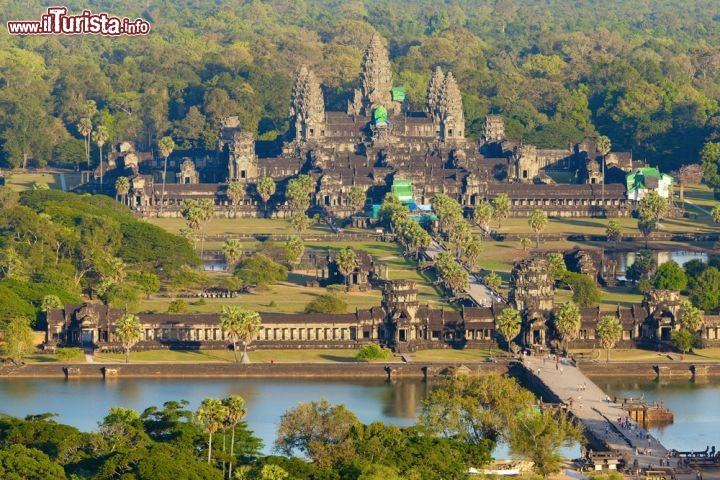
[648, 179]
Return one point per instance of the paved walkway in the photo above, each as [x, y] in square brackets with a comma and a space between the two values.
[599, 415]
[477, 291]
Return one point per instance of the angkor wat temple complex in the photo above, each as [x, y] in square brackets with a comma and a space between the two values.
[375, 142]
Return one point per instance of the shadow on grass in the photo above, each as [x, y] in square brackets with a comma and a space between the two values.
[337, 358]
[44, 359]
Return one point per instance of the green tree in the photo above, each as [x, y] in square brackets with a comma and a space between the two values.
[567, 322]
[472, 252]
[294, 249]
[19, 462]
[586, 293]
[178, 306]
[482, 216]
[643, 266]
[235, 192]
[266, 189]
[475, 410]
[684, 339]
[166, 145]
[710, 163]
[493, 280]
[147, 282]
[393, 213]
[235, 413]
[319, 431]
[608, 331]
[556, 265]
[240, 325]
[85, 128]
[210, 415]
[18, 340]
[298, 192]
[128, 331]
[690, 317]
[100, 135]
[346, 261]
[232, 250]
[715, 213]
[299, 222]
[122, 188]
[50, 302]
[540, 435]
[448, 210]
[538, 221]
[652, 207]
[356, 197]
[327, 303]
[508, 324]
[501, 208]
[646, 227]
[525, 243]
[705, 294]
[670, 276]
[273, 472]
[372, 351]
[613, 232]
[260, 271]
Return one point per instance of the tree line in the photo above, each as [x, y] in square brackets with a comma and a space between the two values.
[461, 421]
[644, 75]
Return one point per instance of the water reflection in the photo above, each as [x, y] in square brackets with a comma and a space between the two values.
[693, 403]
[625, 259]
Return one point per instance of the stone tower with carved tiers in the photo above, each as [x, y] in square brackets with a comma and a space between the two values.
[238, 148]
[432, 97]
[398, 297]
[532, 288]
[375, 80]
[307, 106]
[450, 111]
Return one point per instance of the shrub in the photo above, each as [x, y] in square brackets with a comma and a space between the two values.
[70, 353]
[178, 306]
[327, 303]
[372, 351]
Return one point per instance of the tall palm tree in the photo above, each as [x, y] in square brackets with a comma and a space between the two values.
[235, 192]
[122, 187]
[235, 413]
[166, 147]
[603, 146]
[210, 415]
[100, 135]
[345, 260]
[85, 128]
[266, 189]
[232, 249]
[241, 326]
[129, 331]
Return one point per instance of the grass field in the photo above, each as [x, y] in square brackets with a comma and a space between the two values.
[242, 226]
[256, 356]
[24, 181]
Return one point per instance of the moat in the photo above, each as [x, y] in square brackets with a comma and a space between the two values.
[83, 403]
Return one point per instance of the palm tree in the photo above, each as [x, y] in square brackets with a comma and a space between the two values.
[210, 415]
[235, 413]
[166, 147]
[240, 325]
[100, 135]
[85, 127]
[345, 260]
[235, 192]
[129, 331]
[603, 146]
[537, 222]
[122, 187]
[266, 189]
[232, 249]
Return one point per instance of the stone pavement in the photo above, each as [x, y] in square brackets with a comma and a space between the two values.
[597, 412]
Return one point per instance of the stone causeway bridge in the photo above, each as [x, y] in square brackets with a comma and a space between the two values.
[598, 413]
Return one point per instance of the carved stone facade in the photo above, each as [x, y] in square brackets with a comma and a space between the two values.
[532, 288]
[187, 174]
[307, 107]
[450, 111]
[494, 129]
[237, 149]
[375, 81]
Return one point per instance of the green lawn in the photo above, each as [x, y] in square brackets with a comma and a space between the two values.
[19, 180]
[241, 226]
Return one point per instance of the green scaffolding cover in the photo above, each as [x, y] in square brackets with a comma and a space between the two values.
[403, 190]
[398, 94]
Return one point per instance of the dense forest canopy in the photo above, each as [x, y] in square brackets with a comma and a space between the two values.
[645, 73]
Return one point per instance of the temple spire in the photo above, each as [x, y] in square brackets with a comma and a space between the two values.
[375, 77]
[450, 110]
[432, 97]
[307, 106]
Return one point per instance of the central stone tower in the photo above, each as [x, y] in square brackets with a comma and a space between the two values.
[375, 80]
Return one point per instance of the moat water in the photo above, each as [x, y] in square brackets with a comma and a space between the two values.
[83, 403]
